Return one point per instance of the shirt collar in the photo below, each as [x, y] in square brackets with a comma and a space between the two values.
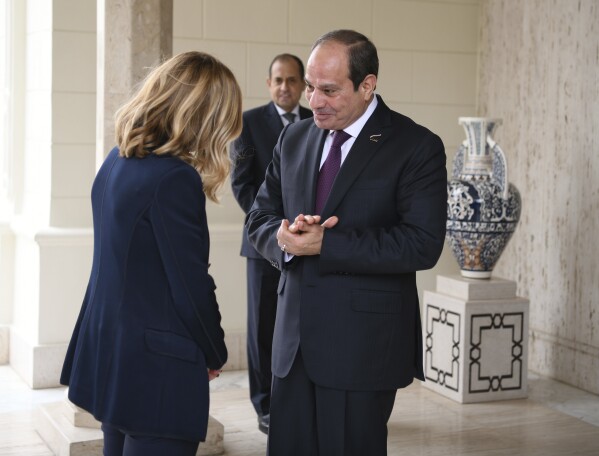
[281, 111]
[355, 128]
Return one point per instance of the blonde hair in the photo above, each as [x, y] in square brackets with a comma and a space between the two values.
[188, 107]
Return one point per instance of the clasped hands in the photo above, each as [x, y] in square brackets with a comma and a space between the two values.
[304, 235]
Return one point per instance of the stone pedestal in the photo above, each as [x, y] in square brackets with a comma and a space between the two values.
[475, 339]
[70, 431]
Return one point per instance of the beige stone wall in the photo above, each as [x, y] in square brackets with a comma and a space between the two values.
[539, 71]
[428, 60]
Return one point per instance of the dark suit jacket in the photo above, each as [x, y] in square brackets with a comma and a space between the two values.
[251, 154]
[354, 308]
[149, 325]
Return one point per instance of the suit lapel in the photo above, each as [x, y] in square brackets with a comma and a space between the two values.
[369, 141]
[273, 119]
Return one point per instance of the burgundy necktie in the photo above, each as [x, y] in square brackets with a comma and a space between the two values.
[329, 170]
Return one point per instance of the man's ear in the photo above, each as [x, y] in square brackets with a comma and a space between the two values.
[368, 86]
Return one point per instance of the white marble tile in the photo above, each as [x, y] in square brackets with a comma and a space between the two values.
[422, 422]
[15, 395]
[565, 398]
[230, 380]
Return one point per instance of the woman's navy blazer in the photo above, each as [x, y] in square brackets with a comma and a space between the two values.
[149, 326]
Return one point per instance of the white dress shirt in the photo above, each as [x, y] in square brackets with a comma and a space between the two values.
[353, 130]
[281, 111]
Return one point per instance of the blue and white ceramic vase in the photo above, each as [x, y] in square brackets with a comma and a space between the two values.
[483, 208]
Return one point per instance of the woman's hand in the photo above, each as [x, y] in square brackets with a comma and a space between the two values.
[213, 373]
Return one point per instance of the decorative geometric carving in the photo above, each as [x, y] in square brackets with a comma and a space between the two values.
[443, 375]
[496, 379]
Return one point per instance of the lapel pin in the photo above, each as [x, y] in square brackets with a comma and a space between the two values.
[375, 138]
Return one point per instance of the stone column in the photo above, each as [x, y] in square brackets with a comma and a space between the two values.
[133, 36]
[53, 152]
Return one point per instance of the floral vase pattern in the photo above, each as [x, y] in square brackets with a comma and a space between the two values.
[483, 208]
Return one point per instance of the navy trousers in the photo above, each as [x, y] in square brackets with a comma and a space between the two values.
[309, 420]
[262, 283]
[118, 443]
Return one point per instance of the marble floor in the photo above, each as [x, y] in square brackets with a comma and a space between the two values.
[555, 419]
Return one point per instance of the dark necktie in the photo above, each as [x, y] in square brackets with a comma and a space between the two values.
[289, 116]
[329, 170]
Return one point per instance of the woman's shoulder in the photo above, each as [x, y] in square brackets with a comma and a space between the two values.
[163, 166]
[177, 176]
[175, 168]
[149, 174]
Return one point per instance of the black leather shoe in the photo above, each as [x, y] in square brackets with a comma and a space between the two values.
[264, 423]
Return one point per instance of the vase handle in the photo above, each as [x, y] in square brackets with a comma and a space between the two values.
[499, 173]
[458, 161]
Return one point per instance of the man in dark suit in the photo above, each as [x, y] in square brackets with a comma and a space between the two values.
[347, 331]
[251, 154]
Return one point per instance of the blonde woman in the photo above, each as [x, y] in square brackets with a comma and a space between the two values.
[148, 338]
